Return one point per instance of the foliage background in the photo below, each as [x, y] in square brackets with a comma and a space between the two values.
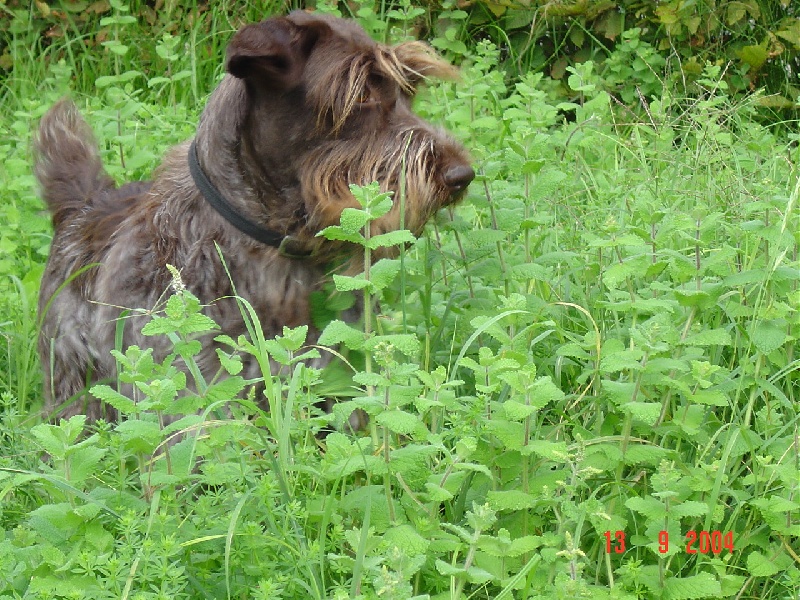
[601, 338]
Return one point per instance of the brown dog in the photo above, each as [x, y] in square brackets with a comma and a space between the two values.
[309, 104]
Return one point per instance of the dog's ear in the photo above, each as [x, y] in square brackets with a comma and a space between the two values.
[274, 51]
[419, 62]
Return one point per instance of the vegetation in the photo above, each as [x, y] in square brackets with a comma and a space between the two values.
[582, 382]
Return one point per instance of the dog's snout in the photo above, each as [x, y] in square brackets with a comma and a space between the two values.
[458, 177]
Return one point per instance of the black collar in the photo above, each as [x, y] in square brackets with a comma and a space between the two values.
[270, 237]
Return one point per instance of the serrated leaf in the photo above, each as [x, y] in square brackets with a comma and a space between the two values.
[109, 395]
[140, 436]
[545, 391]
[374, 379]
[615, 361]
[768, 335]
[231, 364]
[108, 80]
[618, 273]
[478, 575]
[703, 585]
[709, 398]
[485, 237]
[760, 566]
[510, 500]
[383, 272]
[405, 343]
[406, 538]
[226, 389]
[531, 272]
[556, 451]
[336, 233]
[447, 569]
[339, 332]
[650, 507]
[391, 238]
[694, 298]
[638, 454]
[709, 337]
[83, 462]
[353, 220]
[516, 411]
[755, 56]
[399, 421]
[437, 493]
[648, 412]
[689, 508]
[346, 283]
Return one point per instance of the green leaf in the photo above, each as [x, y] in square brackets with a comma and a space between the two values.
[478, 575]
[703, 585]
[516, 411]
[383, 272]
[768, 335]
[346, 283]
[336, 233]
[709, 337]
[231, 363]
[709, 398]
[613, 360]
[227, 389]
[406, 538]
[399, 421]
[531, 272]
[118, 49]
[647, 412]
[437, 493]
[695, 298]
[109, 395]
[689, 508]
[56, 439]
[754, 56]
[374, 379]
[353, 220]
[108, 80]
[392, 238]
[405, 343]
[510, 500]
[544, 391]
[140, 436]
[448, 570]
[760, 566]
[650, 507]
[339, 332]
[556, 451]
[791, 32]
[83, 462]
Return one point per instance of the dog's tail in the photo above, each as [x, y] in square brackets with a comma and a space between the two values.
[67, 162]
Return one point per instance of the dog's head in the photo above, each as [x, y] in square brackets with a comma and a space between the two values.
[326, 106]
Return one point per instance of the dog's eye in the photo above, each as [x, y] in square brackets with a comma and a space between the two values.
[367, 97]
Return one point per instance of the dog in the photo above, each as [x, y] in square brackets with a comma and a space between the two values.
[309, 104]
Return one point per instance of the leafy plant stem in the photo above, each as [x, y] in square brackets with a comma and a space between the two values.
[499, 246]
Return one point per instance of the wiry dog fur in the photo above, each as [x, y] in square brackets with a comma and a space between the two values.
[309, 104]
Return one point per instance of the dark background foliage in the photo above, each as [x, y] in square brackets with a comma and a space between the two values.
[757, 42]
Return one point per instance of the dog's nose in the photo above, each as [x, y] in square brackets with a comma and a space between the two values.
[458, 177]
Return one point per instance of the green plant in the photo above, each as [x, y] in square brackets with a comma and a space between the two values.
[597, 346]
